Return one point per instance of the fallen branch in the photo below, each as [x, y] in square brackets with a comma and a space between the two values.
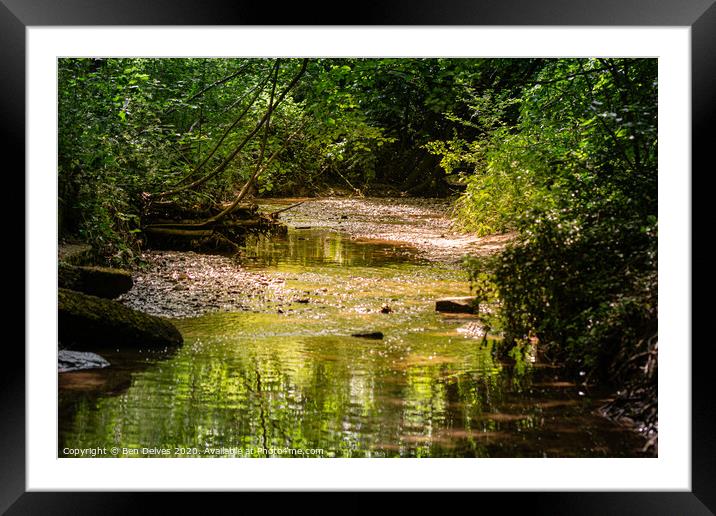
[275, 213]
[356, 190]
[229, 209]
[248, 184]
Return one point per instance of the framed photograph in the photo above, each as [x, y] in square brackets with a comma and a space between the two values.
[368, 395]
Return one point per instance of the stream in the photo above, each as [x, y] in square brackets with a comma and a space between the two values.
[269, 366]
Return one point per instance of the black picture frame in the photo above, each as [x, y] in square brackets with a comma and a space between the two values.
[699, 15]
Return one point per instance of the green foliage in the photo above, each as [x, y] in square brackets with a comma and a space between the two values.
[585, 287]
[563, 152]
[504, 185]
[576, 177]
[128, 127]
[107, 222]
[131, 126]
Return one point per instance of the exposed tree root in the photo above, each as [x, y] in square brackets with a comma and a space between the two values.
[636, 405]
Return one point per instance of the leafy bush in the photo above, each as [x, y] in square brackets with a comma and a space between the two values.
[576, 177]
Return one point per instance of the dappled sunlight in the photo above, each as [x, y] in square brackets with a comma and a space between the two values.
[285, 371]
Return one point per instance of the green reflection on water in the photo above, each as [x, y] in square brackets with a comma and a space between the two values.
[315, 247]
[251, 382]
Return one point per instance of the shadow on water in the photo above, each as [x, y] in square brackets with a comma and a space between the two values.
[271, 382]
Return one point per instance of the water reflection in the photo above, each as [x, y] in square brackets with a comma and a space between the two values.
[418, 396]
[316, 246]
[267, 380]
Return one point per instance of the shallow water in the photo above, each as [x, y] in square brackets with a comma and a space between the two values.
[287, 379]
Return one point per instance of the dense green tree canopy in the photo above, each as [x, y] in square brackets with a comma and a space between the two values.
[134, 127]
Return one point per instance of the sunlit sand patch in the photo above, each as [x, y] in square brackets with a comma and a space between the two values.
[472, 329]
[422, 224]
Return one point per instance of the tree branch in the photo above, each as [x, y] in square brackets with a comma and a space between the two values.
[211, 86]
[235, 152]
[239, 197]
[258, 89]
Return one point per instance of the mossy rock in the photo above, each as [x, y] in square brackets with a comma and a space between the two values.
[95, 281]
[90, 322]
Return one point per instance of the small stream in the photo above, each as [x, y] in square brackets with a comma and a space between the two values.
[284, 377]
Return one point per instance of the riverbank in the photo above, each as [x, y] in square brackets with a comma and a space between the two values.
[271, 349]
[181, 285]
[424, 223]
[187, 284]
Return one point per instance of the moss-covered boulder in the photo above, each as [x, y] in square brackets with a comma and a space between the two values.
[95, 281]
[90, 322]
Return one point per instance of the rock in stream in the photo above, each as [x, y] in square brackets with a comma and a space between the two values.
[95, 281]
[89, 322]
[78, 360]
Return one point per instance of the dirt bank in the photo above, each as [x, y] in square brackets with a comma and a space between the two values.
[186, 284]
[424, 223]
